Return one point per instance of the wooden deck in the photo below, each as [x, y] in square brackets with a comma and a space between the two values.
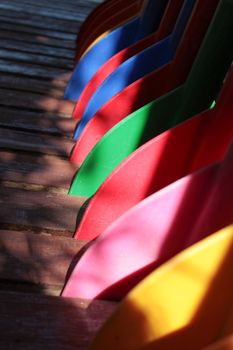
[37, 217]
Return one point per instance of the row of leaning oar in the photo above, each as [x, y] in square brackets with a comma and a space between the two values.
[153, 86]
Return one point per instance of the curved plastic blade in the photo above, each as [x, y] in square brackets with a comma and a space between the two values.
[165, 28]
[117, 40]
[137, 66]
[154, 231]
[191, 145]
[152, 86]
[112, 19]
[197, 94]
[98, 15]
[183, 305]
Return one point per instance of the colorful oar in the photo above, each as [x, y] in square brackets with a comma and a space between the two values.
[197, 94]
[165, 28]
[112, 18]
[157, 163]
[183, 305]
[99, 13]
[155, 230]
[89, 23]
[137, 66]
[152, 86]
[117, 40]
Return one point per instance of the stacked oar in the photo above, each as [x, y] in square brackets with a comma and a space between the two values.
[153, 86]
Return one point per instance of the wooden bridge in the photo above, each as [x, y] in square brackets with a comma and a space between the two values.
[37, 217]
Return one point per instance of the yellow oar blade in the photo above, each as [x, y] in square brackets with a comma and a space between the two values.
[182, 305]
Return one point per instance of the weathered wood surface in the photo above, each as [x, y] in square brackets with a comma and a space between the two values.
[11, 13]
[68, 6]
[39, 262]
[59, 10]
[45, 11]
[53, 88]
[37, 143]
[37, 217]
[11, 44]
[41, 34]
[33, 70]
[42, 170]
[35, 101]
[35, 136]
[39, 210]
[37, 58]
[32, 322]
[35, 121]
[23, 36]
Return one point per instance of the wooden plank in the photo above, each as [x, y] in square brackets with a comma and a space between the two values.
[35, 101]
[39, 210]
[83, 6]
[77, 16]
[87, 2]
[53, 88]
[60, 6]
[35, 322]
[12, 24]
[33, 70]
[24, 141]
[37, 260]
[41, 22]
[66, 11]
[37, 48]
[43, 60]
[25, 120]
[39, 170]
[34, 38]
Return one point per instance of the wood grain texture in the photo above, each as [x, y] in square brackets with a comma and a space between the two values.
[35, 322]
[45, 11]
[25, 141]
[43, 60]
[36, 121]
[56, 9]
[41, 210]
[33, 70]
[39, 260]
[37, 222]
[34, 101]
[33, 18]
[38, 47]
[85, 6]
[41, 34]
[40, 170]
[17, 34]
[53, 88]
